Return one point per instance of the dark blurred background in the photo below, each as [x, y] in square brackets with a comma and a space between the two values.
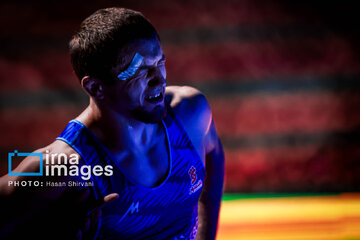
[282, 78]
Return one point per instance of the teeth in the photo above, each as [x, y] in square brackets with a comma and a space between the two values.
[154, 96]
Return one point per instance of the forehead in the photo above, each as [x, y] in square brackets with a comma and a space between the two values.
[150, 49]
[147, 47]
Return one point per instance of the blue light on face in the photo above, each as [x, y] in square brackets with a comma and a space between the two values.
[131, 70]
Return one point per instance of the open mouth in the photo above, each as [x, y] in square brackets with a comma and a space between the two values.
[155, 98]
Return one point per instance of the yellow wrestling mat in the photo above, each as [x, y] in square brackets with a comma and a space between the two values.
[281, 217]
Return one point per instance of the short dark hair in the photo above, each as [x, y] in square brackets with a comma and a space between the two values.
[95, 48]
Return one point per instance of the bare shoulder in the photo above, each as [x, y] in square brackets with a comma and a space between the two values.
[180, 93]
[191, 106]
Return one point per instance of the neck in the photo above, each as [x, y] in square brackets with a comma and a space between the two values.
[115, 130]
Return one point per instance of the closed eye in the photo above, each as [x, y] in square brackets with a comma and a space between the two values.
[142, 73]
[143, 70]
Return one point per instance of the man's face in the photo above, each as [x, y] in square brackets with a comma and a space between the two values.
[140, 95]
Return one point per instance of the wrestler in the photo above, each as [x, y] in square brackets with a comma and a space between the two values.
[167, 160]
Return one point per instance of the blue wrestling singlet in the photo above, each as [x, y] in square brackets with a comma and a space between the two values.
[167, 211]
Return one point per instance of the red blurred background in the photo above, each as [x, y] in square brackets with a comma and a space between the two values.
[282, 79]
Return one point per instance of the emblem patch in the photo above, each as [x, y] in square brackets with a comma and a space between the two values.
[192, 174]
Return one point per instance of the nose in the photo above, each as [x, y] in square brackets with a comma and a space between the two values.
[157, 78]
[157, 81]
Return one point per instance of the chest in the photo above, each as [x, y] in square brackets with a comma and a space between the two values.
[147, 168]
[143, 210]
[178, 193]
[169, 201]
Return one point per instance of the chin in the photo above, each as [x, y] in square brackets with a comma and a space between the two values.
[154, 116]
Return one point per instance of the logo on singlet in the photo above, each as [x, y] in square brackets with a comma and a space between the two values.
[134, 207]
[192, 174]
[193, 177]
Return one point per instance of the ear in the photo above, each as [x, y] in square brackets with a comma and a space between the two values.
[93, 87]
